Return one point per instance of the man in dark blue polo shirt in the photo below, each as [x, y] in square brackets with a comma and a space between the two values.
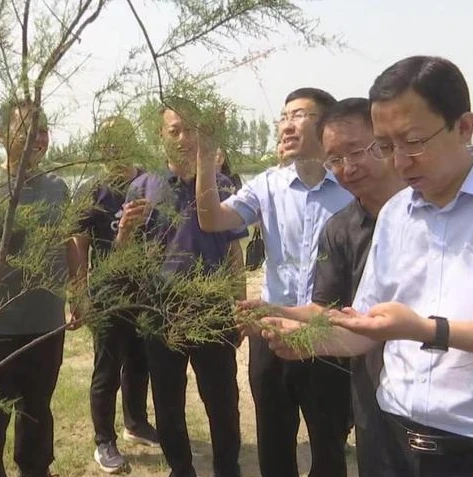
[119, 356]
[185, 244]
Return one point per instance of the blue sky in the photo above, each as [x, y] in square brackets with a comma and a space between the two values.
[377, 33]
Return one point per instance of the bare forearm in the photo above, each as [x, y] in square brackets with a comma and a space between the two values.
[122, 238]
[461, 334]
[238, 268]
[343, 343]
[299, 313]
[213, 215]
[208, 201]
[78, 258]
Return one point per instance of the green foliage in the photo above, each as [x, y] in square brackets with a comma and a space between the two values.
[36, 250]
[183, 308]
[303, 339]
[35, 52]
[317, 329]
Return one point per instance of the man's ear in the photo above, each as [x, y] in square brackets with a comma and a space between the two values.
[465, 125]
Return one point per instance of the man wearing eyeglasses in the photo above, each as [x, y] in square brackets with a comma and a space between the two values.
[416, 286]
[292, 205]
[346, 134]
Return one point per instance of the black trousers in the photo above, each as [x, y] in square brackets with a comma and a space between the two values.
[406, 463]
[280, 388]
[119, 360]
[374, 448]
[215, 368]
[30, 379]
[372, 436]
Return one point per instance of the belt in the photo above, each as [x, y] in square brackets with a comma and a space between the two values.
[427, 440]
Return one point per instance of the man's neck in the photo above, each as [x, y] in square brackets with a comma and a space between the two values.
[310, 171]
[183, 173]
[374, 202]
[130, 174]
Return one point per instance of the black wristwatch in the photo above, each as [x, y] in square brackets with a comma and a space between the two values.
[442, 335]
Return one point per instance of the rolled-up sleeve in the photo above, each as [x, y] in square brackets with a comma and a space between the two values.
[246, 201]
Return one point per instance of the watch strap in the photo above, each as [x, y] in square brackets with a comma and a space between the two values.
[442, 334]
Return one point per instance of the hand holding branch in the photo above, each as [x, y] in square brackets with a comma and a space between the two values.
[134, 214]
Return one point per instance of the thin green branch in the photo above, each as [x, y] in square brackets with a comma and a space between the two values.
[231, 15]
[24, 80]
[4, 362]
[150, 46]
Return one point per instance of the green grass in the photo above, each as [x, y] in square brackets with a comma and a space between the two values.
[74, 444]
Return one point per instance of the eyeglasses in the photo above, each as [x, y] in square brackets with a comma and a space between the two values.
[296, 116]
[412, 148]
[353, 157]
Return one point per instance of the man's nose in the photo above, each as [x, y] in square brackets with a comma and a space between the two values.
[401, 160]
[350, 168]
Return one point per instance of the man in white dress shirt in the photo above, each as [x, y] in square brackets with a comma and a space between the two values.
[417, 287]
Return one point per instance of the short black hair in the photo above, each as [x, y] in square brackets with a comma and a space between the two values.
[346, 108]
[437, 80]
[180, 105]
[318, 96]
[117, 129]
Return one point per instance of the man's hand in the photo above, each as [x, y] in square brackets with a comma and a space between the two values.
[134, 214]
[248, 314]
[206, 145]
[250, 304]
[77, 317]
[386, 321]
[273, 330]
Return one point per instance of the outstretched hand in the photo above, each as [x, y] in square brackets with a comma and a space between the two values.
[249, 312]
[383, 322]
[273, 331]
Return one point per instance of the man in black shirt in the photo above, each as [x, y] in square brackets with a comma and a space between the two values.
[347, 136]
[119, 356]
[31, 307]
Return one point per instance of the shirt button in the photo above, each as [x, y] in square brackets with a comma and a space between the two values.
[306, 244]
[422, 379]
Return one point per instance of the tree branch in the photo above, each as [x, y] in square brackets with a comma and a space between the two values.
[65, 42]
[231, 15]
[24, 80]
[20, 177]
[4, 362]
[150, 46]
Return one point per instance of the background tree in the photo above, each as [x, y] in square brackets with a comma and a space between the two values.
[37, 41]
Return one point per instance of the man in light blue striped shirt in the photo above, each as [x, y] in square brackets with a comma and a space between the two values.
[292, 205]
[417, 284]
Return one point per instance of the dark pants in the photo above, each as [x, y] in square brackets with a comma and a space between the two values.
[30, 379]
[372, 436]
[120, 359]
[280, 388]
[373, 449]
[406, 463]
[215, 368]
